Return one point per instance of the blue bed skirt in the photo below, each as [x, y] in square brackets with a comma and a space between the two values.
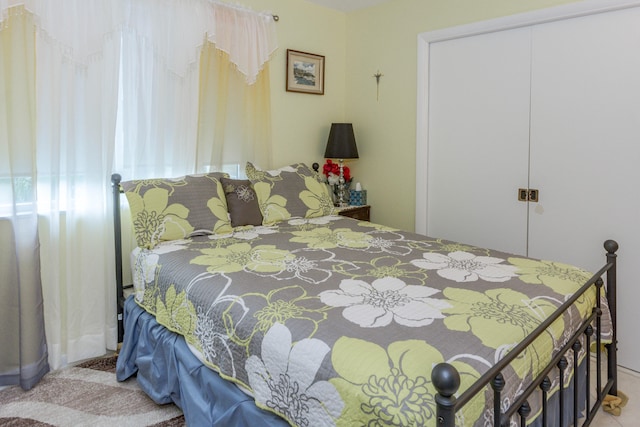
[168, 372]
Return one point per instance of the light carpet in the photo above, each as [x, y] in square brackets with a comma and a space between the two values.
[85, 395]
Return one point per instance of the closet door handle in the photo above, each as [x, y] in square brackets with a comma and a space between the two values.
[523, 194]
[528, 194]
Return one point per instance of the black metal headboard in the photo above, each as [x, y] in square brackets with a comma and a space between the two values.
[117, 232]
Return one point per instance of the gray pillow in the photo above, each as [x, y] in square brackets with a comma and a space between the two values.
[294, 191]
[242, 202]
[177, 208]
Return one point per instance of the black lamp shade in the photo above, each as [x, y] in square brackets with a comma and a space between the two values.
[341, 143]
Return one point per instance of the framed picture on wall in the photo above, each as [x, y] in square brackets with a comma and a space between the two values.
[305, 72]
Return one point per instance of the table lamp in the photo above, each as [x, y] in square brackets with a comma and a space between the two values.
[341, 145]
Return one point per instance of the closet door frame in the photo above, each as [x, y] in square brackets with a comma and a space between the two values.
[572, 10]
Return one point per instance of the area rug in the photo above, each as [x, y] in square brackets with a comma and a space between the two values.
[85, 395]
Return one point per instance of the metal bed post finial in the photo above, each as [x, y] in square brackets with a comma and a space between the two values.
[446, 380]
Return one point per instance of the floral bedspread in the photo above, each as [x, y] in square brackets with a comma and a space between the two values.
[331, 321]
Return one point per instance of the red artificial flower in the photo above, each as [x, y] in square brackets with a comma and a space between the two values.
[334, 168]
[328, 167]
[347, 173]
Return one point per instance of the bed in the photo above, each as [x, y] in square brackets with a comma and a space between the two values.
[254, 305]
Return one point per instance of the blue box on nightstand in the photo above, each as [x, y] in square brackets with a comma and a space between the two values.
[357, 198]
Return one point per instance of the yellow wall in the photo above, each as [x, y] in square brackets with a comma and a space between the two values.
[301, 121]
[356, 46]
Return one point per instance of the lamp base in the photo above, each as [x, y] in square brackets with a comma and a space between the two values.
[342, 190]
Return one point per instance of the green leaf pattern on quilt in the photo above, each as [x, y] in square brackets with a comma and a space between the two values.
[177, 312]
[174, 209]
[328, 238]
[169, 185]
[272, 206]
[218, 207]
[392, 386]
[316, 198]
[155, 218]
[510, 312]
[290, 192]
[290, 305]
[241, 256]
[563, 278]
[560, 277]
[450, 247]
[384, 266]
[375, 226]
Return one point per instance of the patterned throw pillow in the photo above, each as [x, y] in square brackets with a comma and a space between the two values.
[242, 202]
[291, 191]
[173, 209]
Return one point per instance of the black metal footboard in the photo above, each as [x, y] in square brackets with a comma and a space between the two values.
[447, 380]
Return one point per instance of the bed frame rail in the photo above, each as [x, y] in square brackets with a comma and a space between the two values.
[446, 379]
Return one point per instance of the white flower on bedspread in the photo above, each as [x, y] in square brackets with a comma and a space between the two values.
[466, 267]
[389, 246]
[254, 232]
[248, 232]
[283, 379]
[170, 246]
[144, 270]
[217, 341]
[323, 220]
[386, 299]
[221, 236]
[214, 345]
[145, 267]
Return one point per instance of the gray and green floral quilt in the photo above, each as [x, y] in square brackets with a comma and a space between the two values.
[330, 321]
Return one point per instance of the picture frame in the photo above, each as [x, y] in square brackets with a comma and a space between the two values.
[305, 72]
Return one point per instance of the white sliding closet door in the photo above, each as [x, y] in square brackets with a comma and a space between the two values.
[585, 135]
[552, 105]
[585, 151]
[478, 139]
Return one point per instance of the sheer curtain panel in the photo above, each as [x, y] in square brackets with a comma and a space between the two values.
[77, 67]
[234, 123]
[23, 348]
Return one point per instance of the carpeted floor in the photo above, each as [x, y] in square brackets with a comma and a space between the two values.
[85, 395]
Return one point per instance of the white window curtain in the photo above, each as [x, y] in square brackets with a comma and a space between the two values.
[234, 118]
[77, 57]
[118, 88]
[23, 354]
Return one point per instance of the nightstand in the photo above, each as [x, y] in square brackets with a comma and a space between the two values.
[356, 212]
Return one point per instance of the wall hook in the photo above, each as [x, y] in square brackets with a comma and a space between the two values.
[377, 76]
